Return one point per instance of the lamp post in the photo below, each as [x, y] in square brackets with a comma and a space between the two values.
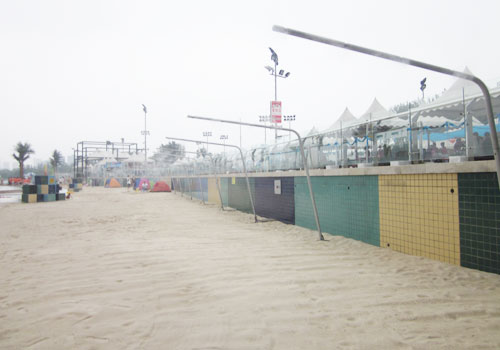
[264, 119]
[207, 134]
[224, 138]
[281, 74]
[422, 87]
[74, 162]
[145, 132]
[289, 119]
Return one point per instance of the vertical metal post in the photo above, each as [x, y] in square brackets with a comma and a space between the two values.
[367, 158]
[341, 145]
[85, 173]
[421, 141]
[409, 133]
[217, 183]
[201, 190]
[315, 210]
[145, 137]
[190, 187]
[248, 184]
[190, 183]
[182, 186]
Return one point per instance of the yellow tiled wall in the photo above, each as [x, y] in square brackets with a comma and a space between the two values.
[168, 181]
[213, 194]
[419, 215]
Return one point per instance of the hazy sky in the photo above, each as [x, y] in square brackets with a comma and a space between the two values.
[80, 70]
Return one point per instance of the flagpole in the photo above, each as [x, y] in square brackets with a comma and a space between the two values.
[145, 138]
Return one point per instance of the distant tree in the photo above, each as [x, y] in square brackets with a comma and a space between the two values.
[24, 151]
[169, 153]
[201, 152]
[56, 160]
[403, 107]
[360, 131]
[381, 128]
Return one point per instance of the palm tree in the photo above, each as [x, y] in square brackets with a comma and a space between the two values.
[56, 160]
[23, 153]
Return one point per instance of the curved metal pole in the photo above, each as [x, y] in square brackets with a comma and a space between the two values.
[215, 174]
[304, 160]
[242, 160]
[199, 178]
[182, 187]
[217, 182]
[411, 62]
[189, 184]
[201, 189]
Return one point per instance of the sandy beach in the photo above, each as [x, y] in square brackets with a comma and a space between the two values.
[112, 269]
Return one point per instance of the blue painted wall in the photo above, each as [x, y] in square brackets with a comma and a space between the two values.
[275, 206]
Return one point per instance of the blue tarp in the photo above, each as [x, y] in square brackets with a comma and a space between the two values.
[441, 136]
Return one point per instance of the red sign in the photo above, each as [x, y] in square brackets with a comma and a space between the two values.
[276, 111]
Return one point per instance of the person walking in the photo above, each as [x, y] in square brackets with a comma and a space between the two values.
[129, 183]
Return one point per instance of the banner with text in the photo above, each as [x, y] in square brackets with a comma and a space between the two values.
[276, 111]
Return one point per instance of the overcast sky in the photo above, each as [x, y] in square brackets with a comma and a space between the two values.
[80, 70]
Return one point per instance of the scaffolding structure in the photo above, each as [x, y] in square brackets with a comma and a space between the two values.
[88, 152]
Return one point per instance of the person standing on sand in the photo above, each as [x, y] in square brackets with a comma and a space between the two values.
[129, 182]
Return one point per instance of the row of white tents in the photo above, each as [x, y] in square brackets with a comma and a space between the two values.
[447, 108]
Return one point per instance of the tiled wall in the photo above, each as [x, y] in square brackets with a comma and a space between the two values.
[419, 215]
[275, 206]
[479, 207]
[347, 206]
[454, 218]
[224, 189]
[199, 187]
[238, 193]
[213, 193]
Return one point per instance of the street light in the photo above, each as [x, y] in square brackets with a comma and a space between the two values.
[207, 134]
[423, 86]
[289, 119]
[145, 132]
[224, 138]
[264, 119]
[276, 74]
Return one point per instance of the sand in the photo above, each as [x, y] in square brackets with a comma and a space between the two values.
[111, 269]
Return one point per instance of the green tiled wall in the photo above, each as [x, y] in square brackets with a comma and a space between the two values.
[238, 194]
[347, 206]
[479, 210]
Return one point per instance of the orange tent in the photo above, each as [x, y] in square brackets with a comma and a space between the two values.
[113, 183]
[161, 186]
